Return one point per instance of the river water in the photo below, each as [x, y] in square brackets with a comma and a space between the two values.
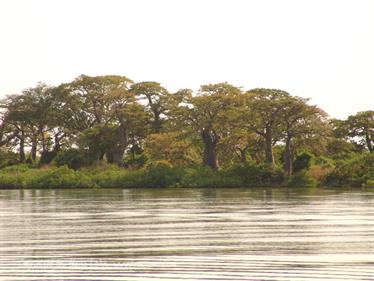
[186, 234]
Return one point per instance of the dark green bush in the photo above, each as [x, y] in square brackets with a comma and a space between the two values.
[303, 161]
[61, 177]
[73, 158]
[120, 178]
[11, 181]
[8, 158]
[14, 169]
[155, 175]
[369, 183]
[18, 176]
[47, 157]
[355, 172]
[206, 177]
[162, 175]
[252, 174]
[136, 160]
[302, 179]
[324, 162]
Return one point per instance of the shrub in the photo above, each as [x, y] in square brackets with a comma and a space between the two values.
[134, 179]
[302, 179]
[252, 174]
[47, 157]
[18, 176]
[324, 162]
[60, 178]
[135, 161]
[11, 181]
[155, 175]
[162, 175]
[369, 183]
[73, 158]
[117, 178]
[206, 177]
[318, 172]
[271, 175]
[303, 161]
[8, 158]
[15, 169]
[356, 172]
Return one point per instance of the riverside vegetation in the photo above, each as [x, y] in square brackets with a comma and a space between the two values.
[108, 131]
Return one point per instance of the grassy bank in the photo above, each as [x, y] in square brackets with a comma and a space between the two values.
[356, 173]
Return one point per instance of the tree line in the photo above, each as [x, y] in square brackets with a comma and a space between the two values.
[112, 119]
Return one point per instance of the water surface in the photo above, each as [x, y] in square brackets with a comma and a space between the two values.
[186, 234]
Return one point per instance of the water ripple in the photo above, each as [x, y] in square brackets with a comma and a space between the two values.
[186, 234]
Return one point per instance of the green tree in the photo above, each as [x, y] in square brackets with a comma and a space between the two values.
[211, 114]
[263, 116]
[361, 126]
[157, 101]
[30, 115]
[171, 147]
[104, 109]
[300, 121]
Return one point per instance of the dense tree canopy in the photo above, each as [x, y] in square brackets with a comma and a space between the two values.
[112, 119]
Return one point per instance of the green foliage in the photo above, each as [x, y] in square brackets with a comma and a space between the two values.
[155, 175]
[161, 175]
[207, 177]
[252, 174]
[47, 157]
[302, 179]
[303, 161]
[8, 158]
[10, 181]
[324, 162]
[170, 147]
[15, 176]
[369, 183]
[73, 158]
[108, 178]
[158, 101]
[22, 176]
[209, 116]
[361, 126]
[135, 160]
[62, 177]
[339, 149]
[161, 138]
[355, 172]
[16, 169]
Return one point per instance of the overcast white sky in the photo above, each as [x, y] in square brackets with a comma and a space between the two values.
[321, 49]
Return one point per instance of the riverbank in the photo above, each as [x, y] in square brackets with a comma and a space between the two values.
[162, 175]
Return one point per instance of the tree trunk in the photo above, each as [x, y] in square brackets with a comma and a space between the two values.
[42, 137]
[34, 146]
[22, 156]
[269, 157]
[57, 145]
[288, 159]
[369, 142]
[157, 123]
[119, 150]
[242, 155]
[210, 143]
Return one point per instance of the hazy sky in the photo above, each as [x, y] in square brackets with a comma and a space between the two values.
[323, 49]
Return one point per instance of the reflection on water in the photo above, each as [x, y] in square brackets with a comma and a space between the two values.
[186, 234]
